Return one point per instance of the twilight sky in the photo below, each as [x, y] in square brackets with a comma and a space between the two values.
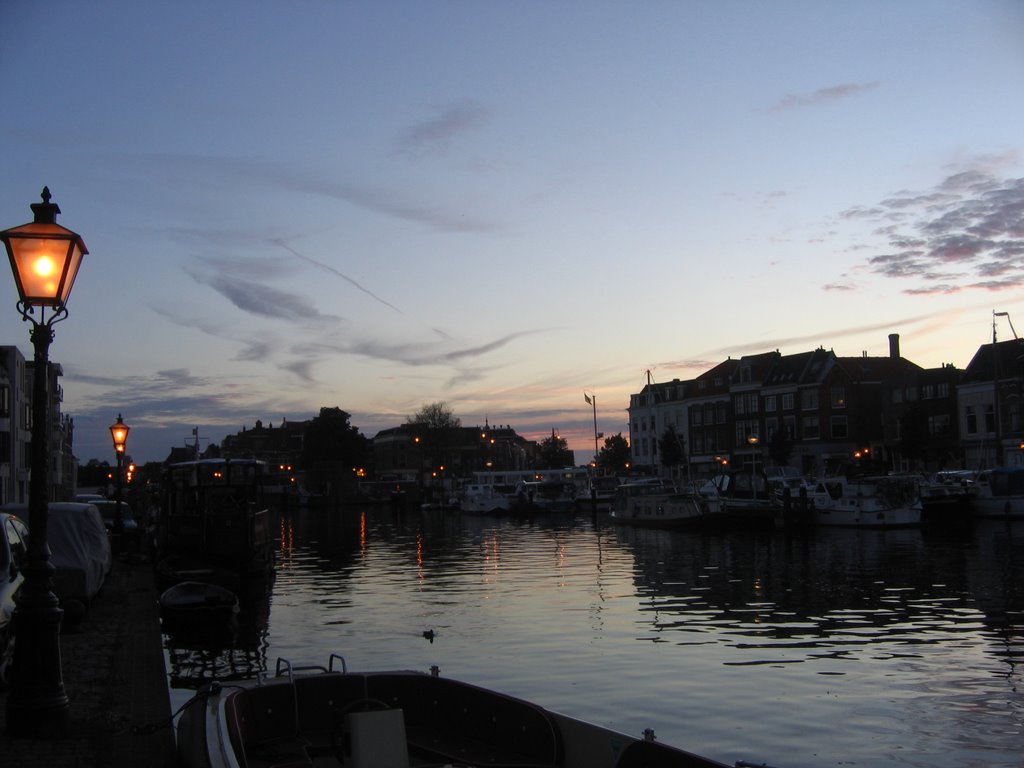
[291, 205]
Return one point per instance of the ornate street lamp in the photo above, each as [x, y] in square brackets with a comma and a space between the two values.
[119, 434]
[45, 258]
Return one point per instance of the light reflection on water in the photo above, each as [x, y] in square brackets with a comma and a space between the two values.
[838, 647]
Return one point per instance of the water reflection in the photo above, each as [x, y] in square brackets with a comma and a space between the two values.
[227, 648]
[866, 646]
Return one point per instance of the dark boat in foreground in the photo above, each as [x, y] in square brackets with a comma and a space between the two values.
[331, 717]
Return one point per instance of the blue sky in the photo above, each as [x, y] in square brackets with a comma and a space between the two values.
[291, 205]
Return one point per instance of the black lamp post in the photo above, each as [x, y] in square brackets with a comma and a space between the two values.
[119, 434]
[45, 258]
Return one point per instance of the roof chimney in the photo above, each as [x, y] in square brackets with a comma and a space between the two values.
[894, 346]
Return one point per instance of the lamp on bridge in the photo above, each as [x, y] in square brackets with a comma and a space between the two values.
[45, 258]
[119, 434]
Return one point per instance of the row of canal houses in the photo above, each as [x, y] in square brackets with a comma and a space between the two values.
[818, 412]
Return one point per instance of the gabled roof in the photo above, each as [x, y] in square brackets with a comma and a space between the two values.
[1008, 362]
[875, 368]
[801, 368]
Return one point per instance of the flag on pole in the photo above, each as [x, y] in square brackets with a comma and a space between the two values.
[587, 398]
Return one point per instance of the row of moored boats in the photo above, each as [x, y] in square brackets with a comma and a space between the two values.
[743, 499]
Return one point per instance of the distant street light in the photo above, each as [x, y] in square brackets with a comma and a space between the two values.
[119, 434]
[45, 258]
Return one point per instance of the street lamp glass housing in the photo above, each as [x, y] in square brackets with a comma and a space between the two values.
[44, 256]
[119, 434]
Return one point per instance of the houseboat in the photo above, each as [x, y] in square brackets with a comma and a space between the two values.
[213, 524]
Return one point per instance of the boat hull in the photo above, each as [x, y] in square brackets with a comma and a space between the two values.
[332, 718]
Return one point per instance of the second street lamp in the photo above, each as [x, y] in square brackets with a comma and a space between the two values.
[45, 258]
[119, 434]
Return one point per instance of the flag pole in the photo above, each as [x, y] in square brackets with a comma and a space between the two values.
[592, 400]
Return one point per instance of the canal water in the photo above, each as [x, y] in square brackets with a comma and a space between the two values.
[826, 648]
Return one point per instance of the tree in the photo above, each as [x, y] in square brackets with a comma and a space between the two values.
[436, 416]
[555, 453]
[670, 447]
[330, 437]
[614, 455]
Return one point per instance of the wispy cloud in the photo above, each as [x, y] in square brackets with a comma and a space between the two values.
[822, 96]
[331, 270]
[435, 133]
[397, 202]
[966, 233]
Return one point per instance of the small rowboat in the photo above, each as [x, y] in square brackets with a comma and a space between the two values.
[326, 717]
[197, 601]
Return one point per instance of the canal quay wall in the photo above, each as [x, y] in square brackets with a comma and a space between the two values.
[114, 676]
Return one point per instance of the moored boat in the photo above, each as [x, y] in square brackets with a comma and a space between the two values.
[486, 499]
[213, 518]
[657, 505]
[331, 717]
[197, 601]
[999, 493]
[869, 502]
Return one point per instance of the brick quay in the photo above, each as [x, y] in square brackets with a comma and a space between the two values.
[113, 667]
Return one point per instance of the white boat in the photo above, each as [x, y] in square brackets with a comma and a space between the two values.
[485, 499]
[332, 718]
[871, 502]
[999, 493]
[658, 505]
[545, 496]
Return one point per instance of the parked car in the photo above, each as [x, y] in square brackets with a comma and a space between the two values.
[89, 498]
[13, 553]
[79, 551]
[108, 511]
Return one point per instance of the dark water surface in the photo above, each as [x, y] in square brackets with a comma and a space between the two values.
[835, 647]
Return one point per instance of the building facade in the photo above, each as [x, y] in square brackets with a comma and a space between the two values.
[16, 383]
[818, 412]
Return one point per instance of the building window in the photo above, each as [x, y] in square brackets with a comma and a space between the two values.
[838, 395]
[911, 394]
[771, 426]
[943, 389]
[5, 402]
[972, 420]
[897, 395]
[720, 415]
[769, 403]
[990, 418]
[938, 424]
[698, 416]
[839, 429]
[789, 427]
[787, 401]
[809, 399]
[927, 391]
[811, 429]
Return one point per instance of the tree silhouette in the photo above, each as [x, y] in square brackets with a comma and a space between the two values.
[614, 455]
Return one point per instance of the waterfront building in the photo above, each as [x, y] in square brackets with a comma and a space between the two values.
[989, 406]
[811, 410]
[16, 376]
[421, 455]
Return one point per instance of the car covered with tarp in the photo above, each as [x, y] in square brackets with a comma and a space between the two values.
[79, 551]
